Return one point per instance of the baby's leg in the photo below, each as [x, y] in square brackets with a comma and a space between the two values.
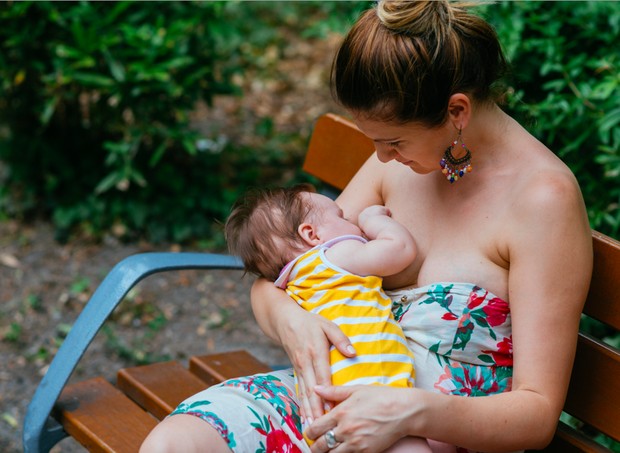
[441, 447]
[184, 434]
[410, 445]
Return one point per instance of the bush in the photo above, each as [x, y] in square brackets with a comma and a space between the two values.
[565, 66]
[96, 98]
[95, 108]
[95, 111]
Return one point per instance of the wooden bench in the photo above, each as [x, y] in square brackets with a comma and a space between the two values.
[104, 417]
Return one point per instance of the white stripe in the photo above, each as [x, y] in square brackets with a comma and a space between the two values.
[345, 320]
[380, 336]
[383, 380]
[357, 288]
[354, 289]
[352, 303]
[370, 358]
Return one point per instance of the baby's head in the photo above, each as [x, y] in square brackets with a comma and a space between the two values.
[263, 228]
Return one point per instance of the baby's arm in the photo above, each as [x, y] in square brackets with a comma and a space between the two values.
[389, 250]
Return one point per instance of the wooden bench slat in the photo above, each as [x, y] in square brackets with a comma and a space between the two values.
[215, 368]
[594, 397]
[159, 387]
[97, 415]
[604, 298]
[336, 151]
[569, 440]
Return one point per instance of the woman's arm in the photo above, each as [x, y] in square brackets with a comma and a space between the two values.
[365, 189]
[549, 246]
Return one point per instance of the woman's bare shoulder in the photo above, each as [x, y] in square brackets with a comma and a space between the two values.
[547, 206]
[549, 185]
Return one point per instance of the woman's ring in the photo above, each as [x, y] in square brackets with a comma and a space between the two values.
[330, 438]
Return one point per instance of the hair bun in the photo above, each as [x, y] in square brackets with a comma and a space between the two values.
[415, 18]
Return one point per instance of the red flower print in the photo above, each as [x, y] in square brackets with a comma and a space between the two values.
[449, 316]
[503, 355]
[279, 442]
[475, 300]
[496, 310]
[294, 427]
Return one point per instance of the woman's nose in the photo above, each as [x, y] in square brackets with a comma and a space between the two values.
[385, 153]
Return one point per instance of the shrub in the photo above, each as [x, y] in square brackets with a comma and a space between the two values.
[565, 67]
[95, 111]
[96, 98]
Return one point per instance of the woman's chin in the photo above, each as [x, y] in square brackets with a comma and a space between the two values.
[419, 169]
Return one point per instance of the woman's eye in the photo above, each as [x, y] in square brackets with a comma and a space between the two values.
[394, 144]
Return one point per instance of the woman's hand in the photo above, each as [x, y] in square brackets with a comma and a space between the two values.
[306, 338]
[366, 418]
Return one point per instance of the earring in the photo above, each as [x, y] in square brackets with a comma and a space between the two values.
[452, 167]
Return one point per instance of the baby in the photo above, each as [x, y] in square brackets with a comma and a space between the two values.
[333, 267]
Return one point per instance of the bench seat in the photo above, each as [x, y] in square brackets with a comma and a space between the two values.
[98, 414]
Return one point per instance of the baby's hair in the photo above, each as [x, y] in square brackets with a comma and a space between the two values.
[403, 60]
[262, 228]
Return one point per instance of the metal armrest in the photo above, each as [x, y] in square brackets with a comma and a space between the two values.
[41, 432]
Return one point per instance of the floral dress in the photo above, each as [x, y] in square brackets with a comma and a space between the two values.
[459, 333]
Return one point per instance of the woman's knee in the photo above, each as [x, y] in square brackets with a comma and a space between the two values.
[184, 433]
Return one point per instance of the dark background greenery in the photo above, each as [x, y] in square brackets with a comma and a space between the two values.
[96, 100]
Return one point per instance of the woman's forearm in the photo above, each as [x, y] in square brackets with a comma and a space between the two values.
[269, 305]
[516, 420]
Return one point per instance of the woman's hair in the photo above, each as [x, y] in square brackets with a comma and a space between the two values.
[262, 228]
[403, 59]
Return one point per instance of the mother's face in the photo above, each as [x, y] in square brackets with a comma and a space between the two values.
[412, 144]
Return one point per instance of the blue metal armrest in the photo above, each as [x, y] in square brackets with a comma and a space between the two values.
[41, 431]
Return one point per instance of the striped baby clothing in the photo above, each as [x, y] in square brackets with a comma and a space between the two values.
[358, 305]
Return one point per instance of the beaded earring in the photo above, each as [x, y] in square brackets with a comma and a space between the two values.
[452, 167]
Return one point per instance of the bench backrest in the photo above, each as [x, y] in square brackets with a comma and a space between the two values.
[336, 151]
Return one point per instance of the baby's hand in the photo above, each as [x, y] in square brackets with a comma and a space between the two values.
[374, 210]
[374, 219]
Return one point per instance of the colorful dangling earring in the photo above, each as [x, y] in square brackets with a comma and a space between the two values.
[452, 167]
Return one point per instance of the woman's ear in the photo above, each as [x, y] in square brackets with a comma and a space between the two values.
[459, 110]
[308, 234]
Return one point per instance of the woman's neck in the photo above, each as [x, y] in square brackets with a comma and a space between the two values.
[487, 136]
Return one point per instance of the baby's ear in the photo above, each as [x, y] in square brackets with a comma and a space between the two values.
[308, 234]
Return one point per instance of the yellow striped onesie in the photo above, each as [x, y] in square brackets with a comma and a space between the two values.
[361, 309]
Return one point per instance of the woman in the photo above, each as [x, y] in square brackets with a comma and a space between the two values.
[492, 302]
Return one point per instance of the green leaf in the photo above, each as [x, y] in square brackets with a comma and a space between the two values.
[93, 80]
[107, 183]
[486, 359]
[116, 68]
[610, 120]
[65, 51]
[48, 110]
[158, 154]
[137, 177]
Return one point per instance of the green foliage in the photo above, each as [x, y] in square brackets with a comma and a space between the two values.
[95, 105]
[566, 75]
[96, 98]
[95, 109]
